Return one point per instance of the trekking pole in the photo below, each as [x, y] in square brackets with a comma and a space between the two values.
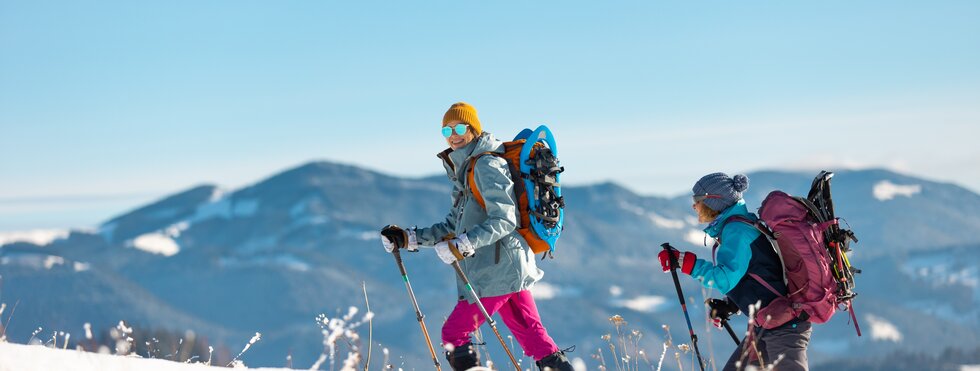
[728, 327]
[680, 295]
[466, 282]
[415, 303]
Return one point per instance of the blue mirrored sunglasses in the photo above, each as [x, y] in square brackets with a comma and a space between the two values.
[460, 129]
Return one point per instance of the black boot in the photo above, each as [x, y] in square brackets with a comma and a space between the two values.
[463, 357]
[555, 362]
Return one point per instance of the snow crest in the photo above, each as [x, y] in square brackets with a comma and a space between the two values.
[886, 190]
[665, 223]
[643, 303]
[40, 237]
[657, 219]
[882, 330]
[156, 243]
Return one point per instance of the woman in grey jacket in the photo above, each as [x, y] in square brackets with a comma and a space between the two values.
[498, 262]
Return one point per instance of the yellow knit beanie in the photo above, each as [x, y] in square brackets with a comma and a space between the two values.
[464, 112]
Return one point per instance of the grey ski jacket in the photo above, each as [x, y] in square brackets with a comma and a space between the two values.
[503, 263]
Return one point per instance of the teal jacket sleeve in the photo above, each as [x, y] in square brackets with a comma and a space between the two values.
[492, 177]
[731, 259]
[431, 235]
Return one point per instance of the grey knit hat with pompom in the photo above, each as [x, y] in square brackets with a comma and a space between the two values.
[723, 191]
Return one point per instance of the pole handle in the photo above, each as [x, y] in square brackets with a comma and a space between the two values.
[398, 259]
[452, 248]
[670, 256]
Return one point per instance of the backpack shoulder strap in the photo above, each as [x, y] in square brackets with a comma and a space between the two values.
[770, 236]
[471, 181]
[740, 219]
[754, 224]
[724, 223]
[736, 218]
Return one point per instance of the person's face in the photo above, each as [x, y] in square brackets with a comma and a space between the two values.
[455, 140]
[704, 213]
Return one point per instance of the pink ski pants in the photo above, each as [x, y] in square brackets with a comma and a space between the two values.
[518, 312]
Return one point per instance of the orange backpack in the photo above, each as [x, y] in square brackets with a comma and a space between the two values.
[541, 212]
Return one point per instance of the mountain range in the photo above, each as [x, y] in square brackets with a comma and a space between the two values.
[271, 256]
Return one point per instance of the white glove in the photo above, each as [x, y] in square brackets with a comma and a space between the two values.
[413, 244]
[389, 246]
[462, 244]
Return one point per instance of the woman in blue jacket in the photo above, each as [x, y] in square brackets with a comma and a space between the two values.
[743, 263]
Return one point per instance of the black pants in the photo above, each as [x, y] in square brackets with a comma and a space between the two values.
[785, 345]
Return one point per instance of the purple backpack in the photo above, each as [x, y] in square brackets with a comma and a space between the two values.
[797, 233]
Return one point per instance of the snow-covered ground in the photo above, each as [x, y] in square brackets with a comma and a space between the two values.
[17, 357]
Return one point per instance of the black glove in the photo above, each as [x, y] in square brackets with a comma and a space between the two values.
[394, 237]
[720, 310]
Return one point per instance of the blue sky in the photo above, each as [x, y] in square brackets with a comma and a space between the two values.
[106, 105]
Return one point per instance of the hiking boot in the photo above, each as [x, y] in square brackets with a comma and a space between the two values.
[463, 357]
[555, 362]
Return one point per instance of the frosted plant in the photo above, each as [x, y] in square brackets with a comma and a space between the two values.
[353, 359]
[624, 348]
[319, 361]
[643, 354]
[341, 328]
[350, 314]
[32, 340]
[255, 339]
[751, 339]
[149, 346]
[772, 366]
[3, 331]
[124, 342]
[660, 363]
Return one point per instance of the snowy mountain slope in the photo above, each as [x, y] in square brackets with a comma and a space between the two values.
[269, 257]
[165, 212]
[59, 294]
